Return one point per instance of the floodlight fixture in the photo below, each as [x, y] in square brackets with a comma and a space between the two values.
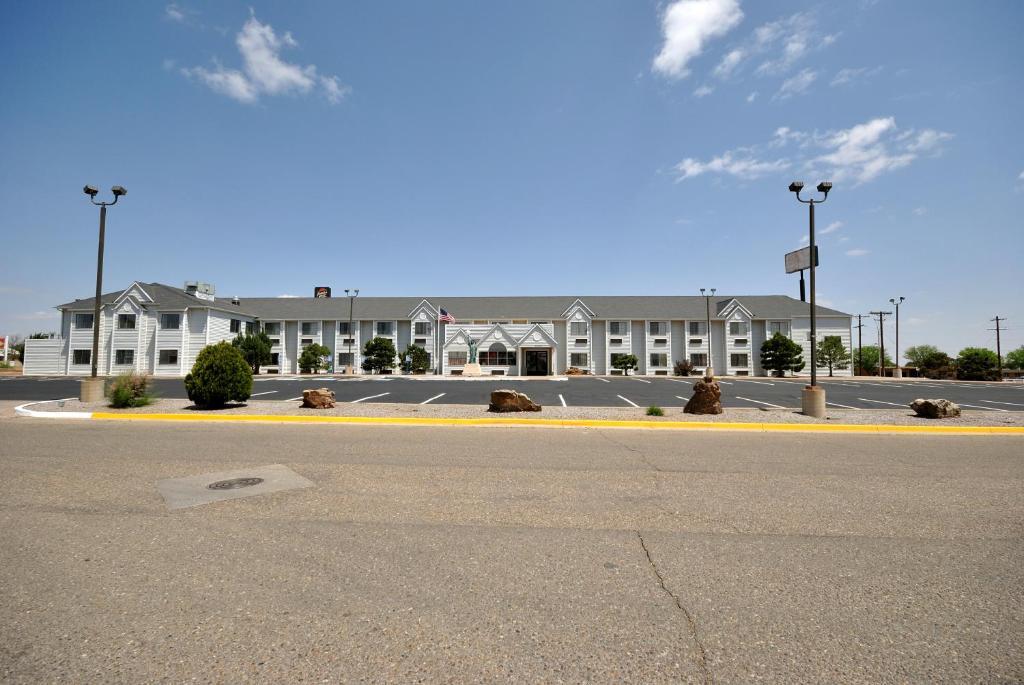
[824, 187]
[796, 186]
[118, 191]
[91, 191]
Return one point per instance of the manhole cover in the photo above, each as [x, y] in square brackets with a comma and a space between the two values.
[234, 483]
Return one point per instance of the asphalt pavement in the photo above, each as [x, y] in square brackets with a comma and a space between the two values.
[588, 391]
[541, 555]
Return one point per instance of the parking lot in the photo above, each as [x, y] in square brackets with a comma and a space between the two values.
[589, 391]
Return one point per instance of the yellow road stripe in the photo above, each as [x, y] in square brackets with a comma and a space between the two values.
[573, 423]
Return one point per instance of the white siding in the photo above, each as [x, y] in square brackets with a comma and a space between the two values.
[44, 357]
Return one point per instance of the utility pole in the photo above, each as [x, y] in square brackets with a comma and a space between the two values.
[881, 342]
[999, 349]
[860, 345]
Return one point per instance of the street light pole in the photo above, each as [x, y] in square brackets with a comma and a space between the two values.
[709, 371]
[813, 395]
[898, 371]
[351, 335]
[92, 389]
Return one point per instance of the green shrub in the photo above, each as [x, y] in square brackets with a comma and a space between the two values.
[314, 357]
[129, 390]
[219, 375]
[683, 367]
[379, 355]
[415, 359]
[655, 410]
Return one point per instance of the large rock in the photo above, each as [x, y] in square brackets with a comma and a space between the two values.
[510, 400]
[707, 398]
[935, 409]
[321, 398]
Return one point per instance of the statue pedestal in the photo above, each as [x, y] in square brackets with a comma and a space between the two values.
[472, 369]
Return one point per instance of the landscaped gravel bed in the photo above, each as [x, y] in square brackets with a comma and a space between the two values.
[838, 416]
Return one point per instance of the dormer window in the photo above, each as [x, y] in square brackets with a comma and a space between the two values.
[126, 322]
[737, 328]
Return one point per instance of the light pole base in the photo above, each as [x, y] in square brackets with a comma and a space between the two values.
[91, 389]
[813, 401]
[897, 372]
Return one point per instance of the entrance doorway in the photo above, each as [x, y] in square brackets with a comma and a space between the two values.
[536, 362]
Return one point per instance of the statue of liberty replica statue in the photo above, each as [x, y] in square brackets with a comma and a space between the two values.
[472, 368]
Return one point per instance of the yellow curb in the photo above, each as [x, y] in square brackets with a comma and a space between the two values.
[573, 423]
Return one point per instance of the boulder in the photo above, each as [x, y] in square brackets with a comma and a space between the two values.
[510, 400]
[707, 398]
[935, 409]
[321, 398]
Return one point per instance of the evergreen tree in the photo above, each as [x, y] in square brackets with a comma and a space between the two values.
[378, 355]
[314, 358]
[780, 354]
[255, 347]
[625, 362]
[415, 359]
[832, 354]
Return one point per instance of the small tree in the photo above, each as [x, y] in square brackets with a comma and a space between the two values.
[921, 356]
[779, 354]
[314, 358]
[868, 355]
[415, 359]
[219, 375]
[832, 354]
[1015, 358]
[683, 367]
[378, 355]
[625, 362]
[255, 347]
[977, 364]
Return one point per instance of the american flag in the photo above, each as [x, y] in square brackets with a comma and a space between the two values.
[445, 317]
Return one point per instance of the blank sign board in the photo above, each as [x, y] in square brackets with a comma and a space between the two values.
[798, 260]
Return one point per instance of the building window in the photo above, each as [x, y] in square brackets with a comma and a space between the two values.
[168, 357]
[659, 359]
[83, 320]
[170, 321]
[696, 341]
[236, 325]
[124, 357]
[577, 328]
[776, 327]
[737, 328]
[79, 357]
[699, 359]
[578, 359]
[738, 360]
[346, 359]
[248, 327]
[697, 328]
[497, 356]
[581, 341]
[615, 341]
[384, 327]
[306, 342]
[309, 328]
[740, 342]
[126, 322]
[456, 358]
[658, 327]
[272, 328]
[422, 342]
[275, 359]
[275, 341]
[618, 328]
[343, 327]
[422, 328]
[348, 341]
[661, 341]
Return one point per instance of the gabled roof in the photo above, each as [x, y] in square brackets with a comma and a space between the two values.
[537, 328]
[726, 310]
[534, 308]
[577, 303]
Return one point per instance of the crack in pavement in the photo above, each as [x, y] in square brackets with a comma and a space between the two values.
[702, 660]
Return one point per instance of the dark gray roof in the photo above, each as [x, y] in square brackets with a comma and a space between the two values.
[539, 308]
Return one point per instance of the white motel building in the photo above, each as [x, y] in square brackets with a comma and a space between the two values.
[156, 329]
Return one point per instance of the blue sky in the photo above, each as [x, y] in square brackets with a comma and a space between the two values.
[467, 148]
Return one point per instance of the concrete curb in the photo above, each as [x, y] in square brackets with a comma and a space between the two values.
[22, 410]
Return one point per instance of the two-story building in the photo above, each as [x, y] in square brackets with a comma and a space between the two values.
[151, 328]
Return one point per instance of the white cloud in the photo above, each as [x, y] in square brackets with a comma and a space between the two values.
[857, 154]
[688, 26]
[752, 96]
[174, 12]
[847, 76]
[796, 85]
[729, 63]
[1021, 177]
[263, 71]
[832, 227]
[920, 211]
[844, 239]
[703, 91]
[745, 167]
[857, 252]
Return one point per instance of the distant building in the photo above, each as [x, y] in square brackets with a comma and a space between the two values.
[157, 329]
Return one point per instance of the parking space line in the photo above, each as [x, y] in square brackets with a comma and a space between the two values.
[628, 401]
[975, 406]
[891, 404]
[725, 382]
[268, 392]
[563, 401]
[294, 399]
[642, 380]
[678, 380]
[431, 399]
[767, 404]
[371, 397]
[844, 406]
[758, 382]
[684, 399]
[1013, 404]
[604, 380]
